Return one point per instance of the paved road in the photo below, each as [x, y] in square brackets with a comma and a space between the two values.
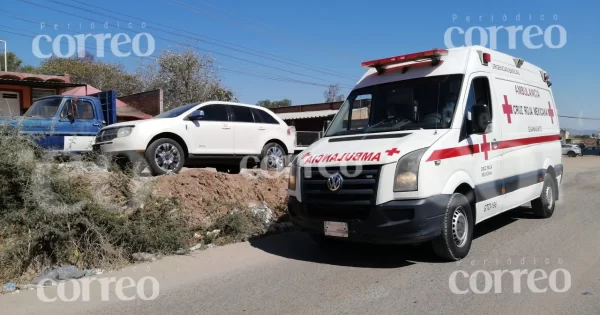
[287, 274]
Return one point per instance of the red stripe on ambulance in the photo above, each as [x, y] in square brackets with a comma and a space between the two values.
[448, 153]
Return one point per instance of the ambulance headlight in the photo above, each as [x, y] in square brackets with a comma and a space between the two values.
[124, 132]
[407, 171]
[293, 173]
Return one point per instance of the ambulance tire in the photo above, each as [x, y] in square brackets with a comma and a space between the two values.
[455, 240]
[543, 206]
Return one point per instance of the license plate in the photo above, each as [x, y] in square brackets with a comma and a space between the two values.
[339, 229]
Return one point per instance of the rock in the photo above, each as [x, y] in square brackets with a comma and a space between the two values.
[213, 233]
[263, 213]
[180, 251]
[9, 287]
[196, 247]
[59, 273]
[144, 257]
[198, 236]
[210, 245]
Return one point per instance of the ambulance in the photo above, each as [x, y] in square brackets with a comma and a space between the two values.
[428, 145]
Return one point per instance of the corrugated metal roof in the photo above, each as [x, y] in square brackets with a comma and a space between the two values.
[306, 115]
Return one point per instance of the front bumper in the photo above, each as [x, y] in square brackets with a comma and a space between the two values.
[394, 222]
[111, 150]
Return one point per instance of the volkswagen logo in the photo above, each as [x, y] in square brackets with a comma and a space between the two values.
[335, 182]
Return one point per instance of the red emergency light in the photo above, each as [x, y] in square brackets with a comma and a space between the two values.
[487, 58]
[433, 55]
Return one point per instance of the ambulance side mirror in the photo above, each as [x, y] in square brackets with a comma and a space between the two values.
[481, 119]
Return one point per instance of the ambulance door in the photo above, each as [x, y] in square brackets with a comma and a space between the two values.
[487, 165]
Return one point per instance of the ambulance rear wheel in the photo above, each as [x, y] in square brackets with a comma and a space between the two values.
[543, 206]
[456, 236]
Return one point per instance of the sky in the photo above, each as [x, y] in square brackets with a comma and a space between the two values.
[306, 45]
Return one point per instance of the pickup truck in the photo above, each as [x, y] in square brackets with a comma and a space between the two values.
[66, 124]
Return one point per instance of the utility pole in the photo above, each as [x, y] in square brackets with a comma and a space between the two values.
[5, 56]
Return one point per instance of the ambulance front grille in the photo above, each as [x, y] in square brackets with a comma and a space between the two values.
[358, 188]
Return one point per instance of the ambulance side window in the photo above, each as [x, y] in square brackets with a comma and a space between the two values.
[359, 115]
[479, 93]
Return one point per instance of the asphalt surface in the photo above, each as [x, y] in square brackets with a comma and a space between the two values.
[288, 274]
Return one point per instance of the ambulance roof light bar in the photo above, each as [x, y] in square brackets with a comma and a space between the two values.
[434, 55]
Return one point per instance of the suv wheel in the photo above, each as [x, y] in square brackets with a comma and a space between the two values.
[165, 156]
[272, 157]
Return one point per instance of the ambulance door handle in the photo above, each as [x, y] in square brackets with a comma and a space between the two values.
[494, 144]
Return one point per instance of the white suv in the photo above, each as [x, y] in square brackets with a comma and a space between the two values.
[223, 135]
[571, 150]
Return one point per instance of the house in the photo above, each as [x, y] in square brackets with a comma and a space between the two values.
[312, 120]
[19, 90]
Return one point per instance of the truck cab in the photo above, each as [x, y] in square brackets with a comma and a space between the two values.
[65, 123]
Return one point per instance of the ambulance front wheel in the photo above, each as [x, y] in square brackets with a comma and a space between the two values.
[454, 242]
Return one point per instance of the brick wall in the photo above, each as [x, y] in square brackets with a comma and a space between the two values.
[149, 102]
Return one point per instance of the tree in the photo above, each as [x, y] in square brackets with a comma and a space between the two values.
[332, 94]
[103, 76]
[185, 78]
[13, 62]
[273, 104]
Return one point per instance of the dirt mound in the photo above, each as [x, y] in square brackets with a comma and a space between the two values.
[205, 194]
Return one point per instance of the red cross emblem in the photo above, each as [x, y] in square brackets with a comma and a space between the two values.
[551, 112]
[507, 109]
[392, 151]
[485, 147]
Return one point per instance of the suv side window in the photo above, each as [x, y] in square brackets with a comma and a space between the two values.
[215, 113]
[265, 117]
[242, 114]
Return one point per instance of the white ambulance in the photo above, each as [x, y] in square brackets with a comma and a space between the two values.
[426, 146]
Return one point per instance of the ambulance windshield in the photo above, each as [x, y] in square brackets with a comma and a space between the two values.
[422, 103]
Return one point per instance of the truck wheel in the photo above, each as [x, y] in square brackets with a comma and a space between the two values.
[454, 242]
[571, 154]
[272, 157]
[543, 206]
[165, 156]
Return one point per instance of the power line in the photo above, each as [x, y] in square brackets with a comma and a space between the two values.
[272, 35]
[251, 73]
[180, 43]
[227, 45]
